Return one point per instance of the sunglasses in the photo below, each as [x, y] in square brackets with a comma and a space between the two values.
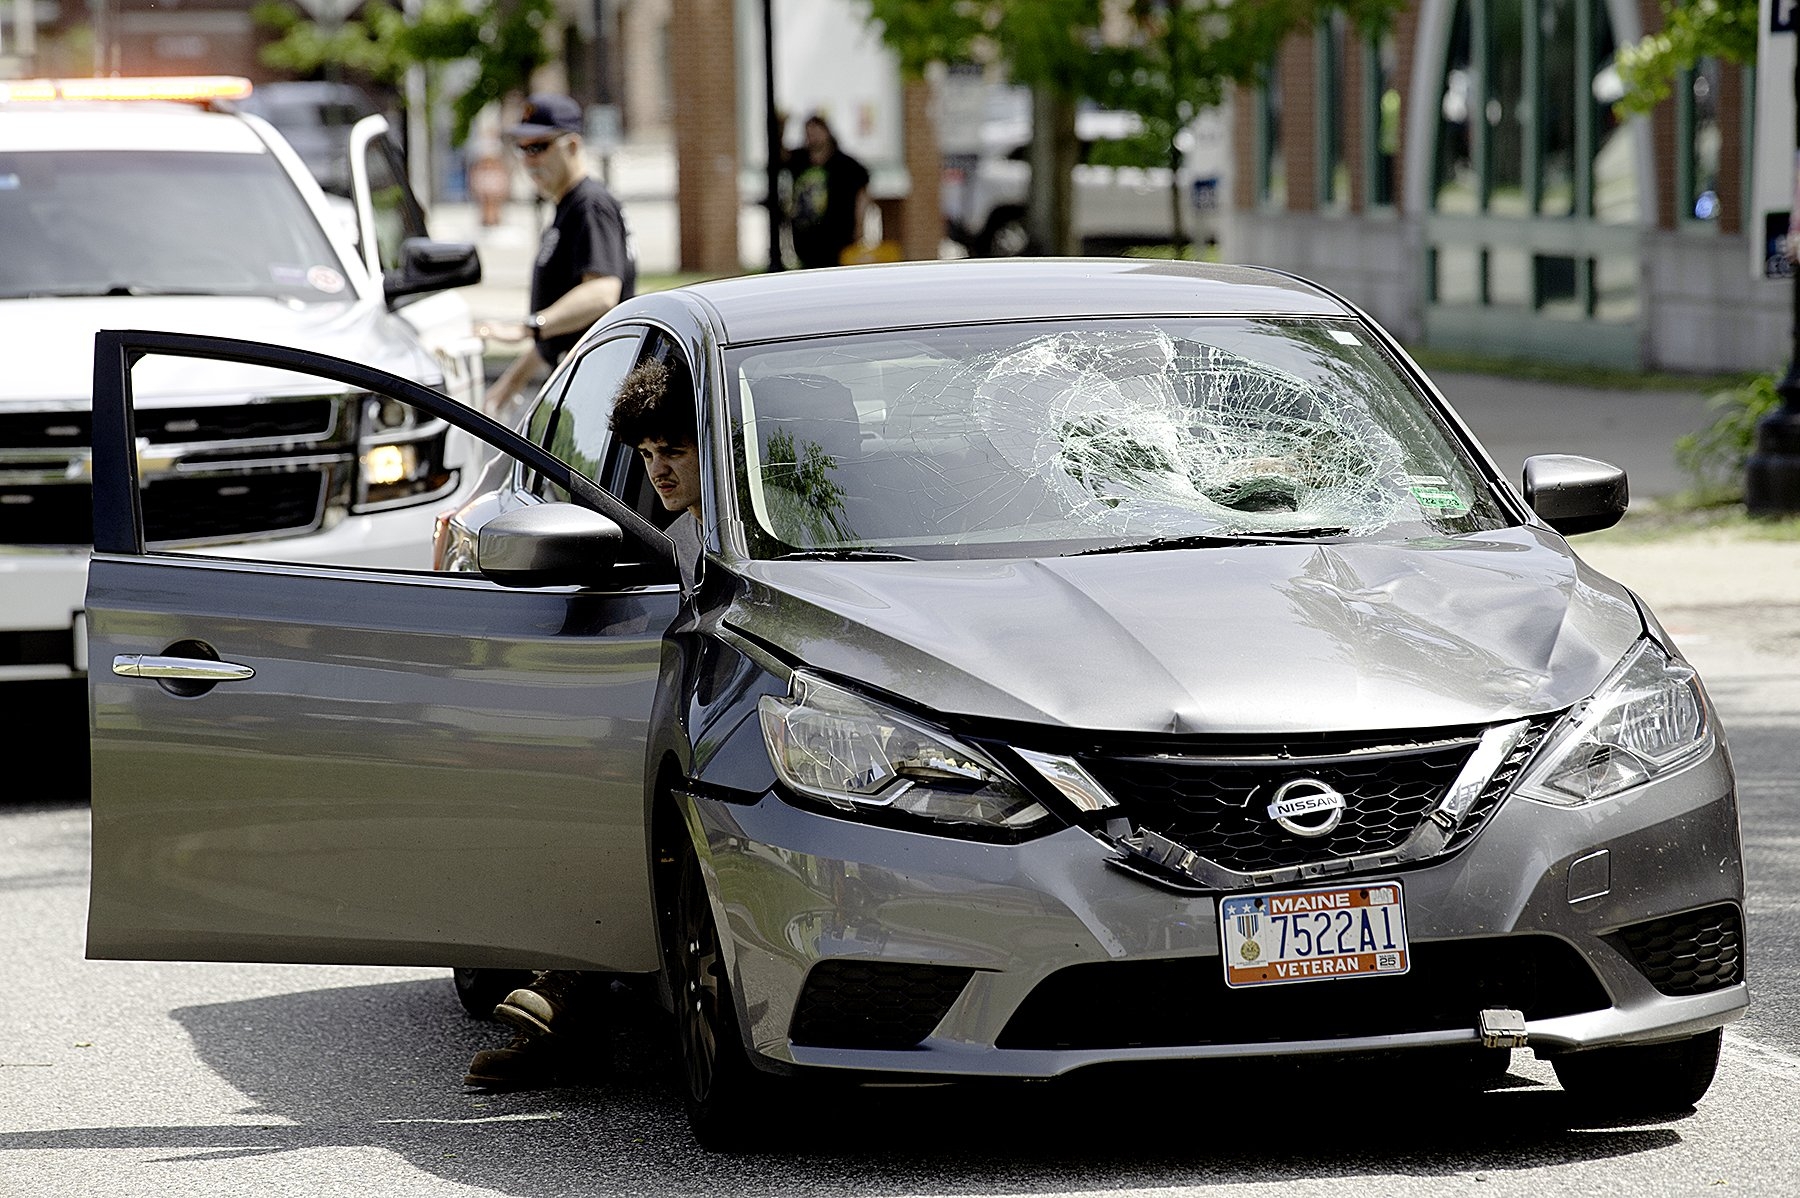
[531, 149]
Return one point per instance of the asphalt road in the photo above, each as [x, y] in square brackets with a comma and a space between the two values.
[131, 1079]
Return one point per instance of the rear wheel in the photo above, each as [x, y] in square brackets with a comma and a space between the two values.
[729, 1102]
[1647, 1079]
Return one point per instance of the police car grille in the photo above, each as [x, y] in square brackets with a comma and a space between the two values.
[175, 509]
[276, 420]
[1217, 805]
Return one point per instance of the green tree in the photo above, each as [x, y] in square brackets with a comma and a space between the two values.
[505, 39]
[1165, 60]
[1691, 30]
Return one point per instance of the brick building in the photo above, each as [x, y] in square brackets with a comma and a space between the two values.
[1464, 179]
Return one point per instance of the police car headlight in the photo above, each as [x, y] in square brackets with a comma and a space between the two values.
[830, 744]
[1648, 719]
[400, 456]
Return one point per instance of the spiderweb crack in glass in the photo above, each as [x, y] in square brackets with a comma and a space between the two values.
[1135, 424]
[1092, 436]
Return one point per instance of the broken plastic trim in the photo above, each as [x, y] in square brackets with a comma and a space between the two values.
[1156, 858]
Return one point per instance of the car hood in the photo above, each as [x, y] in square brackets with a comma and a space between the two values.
[55, 340]
[1247, 639]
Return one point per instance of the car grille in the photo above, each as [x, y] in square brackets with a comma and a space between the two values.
[1184, 1001]
[873, 1004]
[1687, 954]
[1212, 798]
[229, 472]
[307, 418]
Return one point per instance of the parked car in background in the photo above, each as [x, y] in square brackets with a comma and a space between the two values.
[1076, 663]
[316, 117]
[146, 204]
[985, 189]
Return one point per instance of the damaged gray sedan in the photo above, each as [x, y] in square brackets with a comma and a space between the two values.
[1078, 663]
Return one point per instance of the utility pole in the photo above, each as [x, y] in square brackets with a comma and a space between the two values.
[772, 132]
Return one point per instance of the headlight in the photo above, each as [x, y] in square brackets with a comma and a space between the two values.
[831, 744]
[400, 456]
[1647, 719]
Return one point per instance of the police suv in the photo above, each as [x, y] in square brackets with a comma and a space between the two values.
[154, 204]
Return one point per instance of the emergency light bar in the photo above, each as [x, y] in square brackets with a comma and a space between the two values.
[191, 88]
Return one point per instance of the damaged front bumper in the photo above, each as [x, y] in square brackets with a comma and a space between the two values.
[864, 948]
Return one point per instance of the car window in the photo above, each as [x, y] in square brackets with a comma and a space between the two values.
[1068, 437]
[397, 213]
[576, 428]
[124, 222]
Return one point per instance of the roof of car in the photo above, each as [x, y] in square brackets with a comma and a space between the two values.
[807, 303]
[138, 125]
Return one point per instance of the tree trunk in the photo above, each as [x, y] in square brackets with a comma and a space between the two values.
[1049, 214]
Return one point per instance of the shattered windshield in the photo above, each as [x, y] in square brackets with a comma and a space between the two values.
[125, 222]
[1090, 437]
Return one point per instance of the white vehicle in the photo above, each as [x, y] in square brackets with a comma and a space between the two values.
[984, 190]
[150, 204]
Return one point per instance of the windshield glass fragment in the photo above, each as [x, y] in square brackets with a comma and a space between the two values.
[1072, 437]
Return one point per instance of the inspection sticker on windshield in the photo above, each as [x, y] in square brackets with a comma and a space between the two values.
[1314, 935]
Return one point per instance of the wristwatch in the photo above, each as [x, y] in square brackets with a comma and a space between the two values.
[535, 322]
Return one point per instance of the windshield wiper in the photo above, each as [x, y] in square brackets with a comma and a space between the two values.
[844, 555]
[1216, 540]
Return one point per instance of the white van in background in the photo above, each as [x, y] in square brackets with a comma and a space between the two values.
[986, 185]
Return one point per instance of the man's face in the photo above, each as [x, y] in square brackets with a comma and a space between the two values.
[551, 163]
[674, 469]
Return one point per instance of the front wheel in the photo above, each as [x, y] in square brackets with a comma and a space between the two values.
[1646, 1079]
[729, 1102]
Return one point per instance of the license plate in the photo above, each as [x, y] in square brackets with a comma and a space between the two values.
[1314, 935]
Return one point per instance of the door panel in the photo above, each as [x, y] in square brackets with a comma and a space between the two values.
[411, 768]
[386, 788]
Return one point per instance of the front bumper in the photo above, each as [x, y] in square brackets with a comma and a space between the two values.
[1047, 959]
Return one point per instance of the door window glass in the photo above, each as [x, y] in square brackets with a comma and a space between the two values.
[578, 431]
[397, 212]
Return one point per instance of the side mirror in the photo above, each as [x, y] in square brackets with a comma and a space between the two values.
[547, 545]
[428, 265]
[1575, 494]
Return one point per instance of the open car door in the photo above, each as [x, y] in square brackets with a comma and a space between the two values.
[388, 214]
[311, 763]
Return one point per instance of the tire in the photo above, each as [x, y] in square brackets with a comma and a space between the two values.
[731, 1106]
[1649, 1079]
[480, 990]
[1005, 235]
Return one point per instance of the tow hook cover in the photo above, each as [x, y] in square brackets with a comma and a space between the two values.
[1502, 1027]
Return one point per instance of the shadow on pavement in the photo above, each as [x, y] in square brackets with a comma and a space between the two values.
[382, 1066]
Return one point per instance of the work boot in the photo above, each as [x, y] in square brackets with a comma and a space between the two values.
[525, 1063]
[549, 1005]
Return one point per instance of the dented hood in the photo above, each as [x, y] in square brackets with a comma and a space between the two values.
[1248, 639]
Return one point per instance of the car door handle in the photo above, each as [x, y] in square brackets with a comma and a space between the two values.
[197, 669]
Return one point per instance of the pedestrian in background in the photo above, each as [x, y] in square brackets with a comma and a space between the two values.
[585, 262]
[829, 197]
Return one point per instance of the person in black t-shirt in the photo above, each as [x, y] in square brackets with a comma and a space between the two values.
[585, 262]
[830, 197]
